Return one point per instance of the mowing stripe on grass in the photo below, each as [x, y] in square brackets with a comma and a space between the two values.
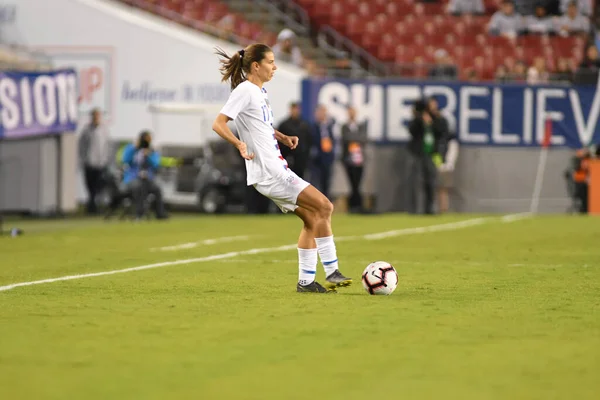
[383, 235]
[207, 242]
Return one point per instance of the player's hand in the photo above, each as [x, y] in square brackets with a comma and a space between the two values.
[291, 142]
[243, 149]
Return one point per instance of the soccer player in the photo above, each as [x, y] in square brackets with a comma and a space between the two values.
[247, 70]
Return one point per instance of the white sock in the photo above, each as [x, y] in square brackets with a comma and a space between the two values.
[326, 249]
[307, 266]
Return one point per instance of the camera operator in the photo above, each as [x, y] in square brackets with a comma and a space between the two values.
[426, 134]
[141, 163]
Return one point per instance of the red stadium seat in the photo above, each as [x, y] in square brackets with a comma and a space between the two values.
[400, 31]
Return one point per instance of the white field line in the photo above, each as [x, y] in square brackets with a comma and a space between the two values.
[207, 242]
[516, 217]
[382, 235]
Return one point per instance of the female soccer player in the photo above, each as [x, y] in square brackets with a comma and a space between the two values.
[247, 71]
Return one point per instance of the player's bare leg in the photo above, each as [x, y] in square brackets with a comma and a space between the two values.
[443, 200]
[308, 257]
[315, 210]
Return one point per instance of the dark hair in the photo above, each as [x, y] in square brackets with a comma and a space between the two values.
[144, 139]
[235, 68]
[420, 105]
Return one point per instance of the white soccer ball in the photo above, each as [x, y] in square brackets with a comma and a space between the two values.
[380, 278]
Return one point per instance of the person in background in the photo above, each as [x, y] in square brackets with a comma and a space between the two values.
[540, 22]
[444, 68]
[584, 6]
[322, 150]
[563, 72]
[462, 7]
[286, 49]
[588, 70]
[448, 151]
[141, 163]
[295, 125]
[537, 73]
[93, 155]
[423, 147]
[505, 22]
[572, 22]
[592, 59]
[581, 176]
[354, 140]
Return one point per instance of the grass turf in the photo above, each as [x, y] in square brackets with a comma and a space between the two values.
[493, 311]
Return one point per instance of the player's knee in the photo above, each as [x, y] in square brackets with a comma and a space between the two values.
[325, 208]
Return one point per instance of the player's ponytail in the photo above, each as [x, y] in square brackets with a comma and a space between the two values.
[235, 67]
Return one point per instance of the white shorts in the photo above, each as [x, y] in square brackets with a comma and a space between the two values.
[283, 189]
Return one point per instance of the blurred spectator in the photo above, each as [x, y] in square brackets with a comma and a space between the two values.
[564, 72]
[540, 22]
[587, 73]
[226, 27]
[572, 22]
[501, 74]
[461, 7]
[444, 68]
[294, 125]
[423, 146]
[591, 61]
[141, 163]
[473, 76]
[519, 73]
[94, 155]
[448, 151]
[343, 67]
[584, 6]
[477, 71]
[505, 22]
[354, 140]
[286, 48]
[537, 73]
[322, 150]
[509, 63]
[580, 176]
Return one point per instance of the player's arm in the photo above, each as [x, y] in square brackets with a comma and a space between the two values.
[220, 126]
[289, 141]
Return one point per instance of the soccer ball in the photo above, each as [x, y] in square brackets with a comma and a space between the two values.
[380, 278]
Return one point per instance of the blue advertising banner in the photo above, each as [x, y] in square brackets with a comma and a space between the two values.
[481, 114]
[37, 103]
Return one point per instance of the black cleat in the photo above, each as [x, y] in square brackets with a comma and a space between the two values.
[336, 279]
[313, 287]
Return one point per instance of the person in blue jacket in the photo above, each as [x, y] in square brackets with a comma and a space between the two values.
[141, 163]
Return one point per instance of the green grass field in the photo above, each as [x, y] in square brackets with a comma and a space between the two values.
[496, 310]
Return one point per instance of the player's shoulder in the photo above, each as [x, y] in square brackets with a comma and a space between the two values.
[245, 86]
[246, 89]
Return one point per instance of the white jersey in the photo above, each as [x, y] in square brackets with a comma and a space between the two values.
[249, 107]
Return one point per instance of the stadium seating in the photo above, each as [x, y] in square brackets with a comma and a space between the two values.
[207, 16]
[408, 31]
[403, 33]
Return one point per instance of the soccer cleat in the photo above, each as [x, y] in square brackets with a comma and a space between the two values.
[336, 279]
[313, 287]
